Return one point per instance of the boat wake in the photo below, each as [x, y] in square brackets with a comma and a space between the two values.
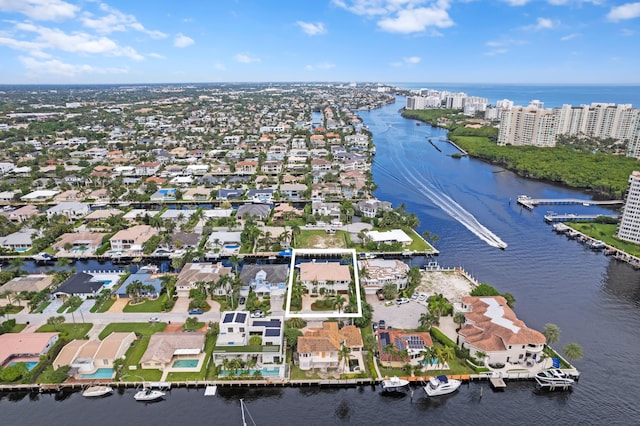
[422, 186]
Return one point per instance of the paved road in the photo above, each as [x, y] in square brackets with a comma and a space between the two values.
[109, 317]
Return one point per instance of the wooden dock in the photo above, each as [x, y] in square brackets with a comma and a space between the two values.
[529, 203]
[497, 383]
[552, 218]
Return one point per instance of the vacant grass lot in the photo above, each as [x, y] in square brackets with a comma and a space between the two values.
[318, 238]
[67, 331]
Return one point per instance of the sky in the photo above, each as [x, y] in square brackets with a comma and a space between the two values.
[464, 41]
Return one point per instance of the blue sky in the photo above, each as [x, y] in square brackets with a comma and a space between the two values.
[160, 41]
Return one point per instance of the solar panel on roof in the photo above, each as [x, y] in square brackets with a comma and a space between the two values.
[241, 317]
[227, 318]
[399, 343]
[272, 332]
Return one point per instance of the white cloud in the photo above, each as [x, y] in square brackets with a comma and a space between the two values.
[416, 20]
[396, 64]
[320, 66]
[308, 67]
[115, 20]
[495, 52]
[245, 59]
[516, 2]
[156, 55]
[182, 40]
[77, 42]
[41, 10]
[627, 32]
[219, 66]
[505, 42]
[412, 59]
[623, 12]
[312, 29]
[401, 16]
[58, 68]
[570, 36]
[541, 24]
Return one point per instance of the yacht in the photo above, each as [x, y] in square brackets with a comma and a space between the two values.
[394, 384]
[97, 391]
[553, 377]
[148, 395]
[441, 385]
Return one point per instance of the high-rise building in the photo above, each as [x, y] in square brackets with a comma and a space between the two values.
[629, 226]
[527, 126]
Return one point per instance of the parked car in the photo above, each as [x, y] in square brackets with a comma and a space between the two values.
[154, 319]
[382, 325]
[414, 296]
[257, 314]
[422, 297]
[196, 311]
[402, 301]
[242, 300]
[380, 295]
[375, 327]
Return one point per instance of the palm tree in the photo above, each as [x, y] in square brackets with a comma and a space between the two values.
[459, 318]
[427, 320]
[225, 364]
[552, 333]
[573, 351]
[481, 356]
[339, 301]
[448, 353]
[295, 231]
[428, 355]
[343, 355]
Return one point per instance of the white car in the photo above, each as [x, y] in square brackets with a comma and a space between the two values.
[402, 301]
[422, 297]
[257, 314]
[154, 319]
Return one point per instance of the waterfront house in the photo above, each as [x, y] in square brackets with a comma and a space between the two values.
[166, 348]
[27, 283]
[492, 327]
[25, 346]
[332, 276]
[87, 356]
[236, 330]
[260, 195]
[22, 213]
[319, 347]
[370, 208]
[229, 194]
[39, 195]
[399, 347]
[380, 272]
[81, 284]
[264, 280]
[257, 211]
[20, 241]
[292, 191]
[131, 240]
[70, 209]
[247, 167]
[389, 237]
[202, 272]
[152, 283]
[78, 244]
[217, 239]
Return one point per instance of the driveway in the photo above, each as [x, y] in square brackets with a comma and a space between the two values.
[182, 305]
[53, 307]
[405, 316]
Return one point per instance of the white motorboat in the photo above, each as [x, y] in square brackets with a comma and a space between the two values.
[148, 395]
[42, 257]
[394, 384]
[441, 385]
[97, 391]
[553, 377]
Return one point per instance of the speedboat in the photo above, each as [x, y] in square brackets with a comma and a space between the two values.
[42, 257]
[441, 385]
[96, 391]
[148, 395]
[394, 384]
[553, 377]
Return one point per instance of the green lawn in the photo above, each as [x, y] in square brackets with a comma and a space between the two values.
[319, 238]
[605, 232]
[141, 328]
[152, 375]
[18, 328]
[68, 331]
[156, 305]
[103, 305]
[14, 309]
[41, 308]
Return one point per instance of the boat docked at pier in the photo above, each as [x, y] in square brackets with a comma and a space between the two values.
[553, 379]
[394, 384]
[441, 385]
[148, 395]
[97, 391]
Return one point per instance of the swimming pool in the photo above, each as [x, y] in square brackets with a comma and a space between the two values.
[100, 373]
[265, 371]
[185, 363]
[30, 364]
[232, 246]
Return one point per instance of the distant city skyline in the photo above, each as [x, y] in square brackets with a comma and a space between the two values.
[466, 41]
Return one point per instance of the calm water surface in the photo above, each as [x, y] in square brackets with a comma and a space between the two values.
[595, 300]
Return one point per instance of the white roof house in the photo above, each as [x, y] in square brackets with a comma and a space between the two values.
[40, 195]
[392, 236]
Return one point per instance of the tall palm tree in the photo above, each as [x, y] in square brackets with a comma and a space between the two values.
[343, 355]
[339, 301]
[459, 318]
[573, 351]
[552, 333]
